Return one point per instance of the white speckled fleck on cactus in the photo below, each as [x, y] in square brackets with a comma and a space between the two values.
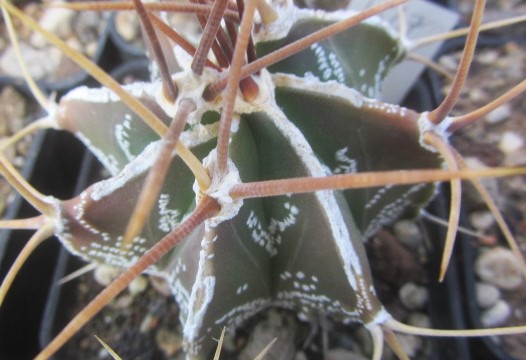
[251, 178]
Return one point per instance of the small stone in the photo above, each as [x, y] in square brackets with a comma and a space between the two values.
[160, 285]
[56, 21]
[410, 343]
[105, 274]
[408, 233]
[343, 354]
[18, 161]
[137, 285]
[86, 25]
[127, 25]
[510, 142]
[488, 57]
[500, 267]
[419, 320]
[516, 158]
[276, 325]
[477, 95]
[449, 62]
[499, 114]
[13, 108]
[496, 315]
[122, 302]
[482, 220]
[102, 354]
[74, 44]
[168, 341]
[412, 296]
[489, 183]
[33, 57]
[487, 295]
[148, 323]
[91, 49]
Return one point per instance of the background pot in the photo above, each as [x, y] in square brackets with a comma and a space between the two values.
[52, 171]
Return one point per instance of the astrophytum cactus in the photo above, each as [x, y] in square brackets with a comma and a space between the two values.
[253, 178]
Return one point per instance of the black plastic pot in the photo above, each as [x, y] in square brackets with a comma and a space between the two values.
[63, 297]
[484, 348]
[445, 307]
[50, 170]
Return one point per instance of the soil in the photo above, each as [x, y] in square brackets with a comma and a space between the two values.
[495, 70]
[15, 112]
[80, 30]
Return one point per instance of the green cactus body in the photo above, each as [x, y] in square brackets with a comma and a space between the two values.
[302, 252]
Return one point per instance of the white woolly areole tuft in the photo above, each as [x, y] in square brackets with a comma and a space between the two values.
[313, 84]
[191, 86]
[220, 190]
[380, 318]
[441, 129]
[53, 112]
[205, 287]
[105, 95]
[57, 218]
[289, 15]
[202, 292]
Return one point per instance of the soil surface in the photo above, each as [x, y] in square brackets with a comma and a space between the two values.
[498, 140]
[15, 112]
[80, 30]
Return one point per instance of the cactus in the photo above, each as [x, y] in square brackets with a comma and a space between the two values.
[252, 181]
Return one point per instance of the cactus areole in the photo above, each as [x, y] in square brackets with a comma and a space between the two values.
[314, 115]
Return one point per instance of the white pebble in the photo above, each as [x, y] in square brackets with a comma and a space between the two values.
[410, 343]
[496, 315]
[499, 267]
[488, 57]
[419, 319]
[487, 295]
[477, 95]
[489, 183]
[137, 285]
[54, 20]
[105, 274]
[412, 296]
[499, 114]
[168, 341]
[482, 220]
[474, 163]
[127, 25]
[449, 62]
[91, 49]
[510, 142]
[33, 58]
[408, 233]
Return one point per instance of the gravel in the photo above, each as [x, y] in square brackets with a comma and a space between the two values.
[499, 266]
